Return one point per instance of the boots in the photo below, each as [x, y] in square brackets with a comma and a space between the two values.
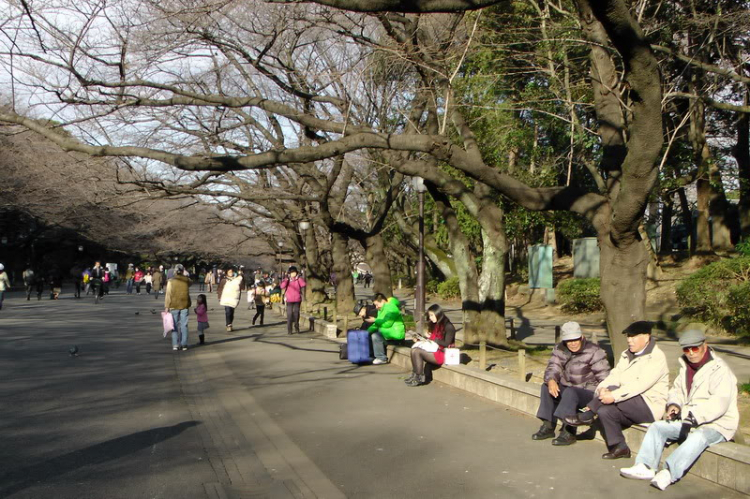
[202, 339]
[547, 430]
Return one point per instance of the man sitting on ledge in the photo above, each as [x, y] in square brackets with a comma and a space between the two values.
[634, 392]
[573, 372]
[388, 326]
[701, 411]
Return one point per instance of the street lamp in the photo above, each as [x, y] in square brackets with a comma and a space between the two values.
[80, 248]
[4, 240]
[304, 225]
[281, 270]
[420, 294]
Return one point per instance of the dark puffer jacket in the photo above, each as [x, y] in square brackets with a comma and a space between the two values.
[584, 369]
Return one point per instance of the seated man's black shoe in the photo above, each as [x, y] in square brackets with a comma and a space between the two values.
[547, 430]
[580, 419]
[619, 451]
[564, 438]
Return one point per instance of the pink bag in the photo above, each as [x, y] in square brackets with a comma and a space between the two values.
[168, 321]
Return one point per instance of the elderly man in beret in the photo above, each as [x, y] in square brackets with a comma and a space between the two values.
[574, 370]
[634, 392]
[701, 411]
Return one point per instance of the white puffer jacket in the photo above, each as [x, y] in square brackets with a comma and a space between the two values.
[646, 375]
[230, 293]
[712, 398]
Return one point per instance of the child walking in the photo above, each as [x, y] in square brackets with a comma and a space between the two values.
[201, 313]
[260, 303]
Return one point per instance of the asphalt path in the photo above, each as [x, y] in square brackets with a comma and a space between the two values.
[255, 413]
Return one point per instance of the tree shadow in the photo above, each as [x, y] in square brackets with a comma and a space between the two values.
[20, 479]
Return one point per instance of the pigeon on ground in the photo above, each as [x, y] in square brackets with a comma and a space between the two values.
[73, 351]
[153, 311]
[137, 313]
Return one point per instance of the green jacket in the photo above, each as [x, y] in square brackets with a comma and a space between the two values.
[389, 321]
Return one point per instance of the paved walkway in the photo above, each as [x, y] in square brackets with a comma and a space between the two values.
[255, 413]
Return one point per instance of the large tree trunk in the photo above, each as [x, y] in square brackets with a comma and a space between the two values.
[687, 219]
[466, 269]
[342, 267]
[378, 262]
[315, 292]
[623, 287]
[741, 153]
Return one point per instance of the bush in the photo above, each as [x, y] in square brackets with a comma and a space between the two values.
[449, 288]
[718, 295]
[432, 286]
[579, 295]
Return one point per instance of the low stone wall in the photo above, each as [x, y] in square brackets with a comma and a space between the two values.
[726, 464]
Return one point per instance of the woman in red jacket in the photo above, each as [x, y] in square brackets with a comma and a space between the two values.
[442, 336]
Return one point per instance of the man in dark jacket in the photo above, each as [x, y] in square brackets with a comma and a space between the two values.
[573, 372]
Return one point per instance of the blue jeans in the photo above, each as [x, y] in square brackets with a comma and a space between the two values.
[378, 345]
[683, 456]
[129, 286]
[2, 297]
[180, 333]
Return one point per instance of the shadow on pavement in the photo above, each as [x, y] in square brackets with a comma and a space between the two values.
[20, 479]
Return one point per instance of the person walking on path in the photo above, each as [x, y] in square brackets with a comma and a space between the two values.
[259, 297]
[442, 336]
[294, 286]
[129, 279]
[201, 315]
[138, 278]
[28, 281]
[97, 280]
[389, 325]
[634, 392]
[229, 293]
[157, 281]
[177, 302]
[573, 372]
[4, 284]
[701, 411]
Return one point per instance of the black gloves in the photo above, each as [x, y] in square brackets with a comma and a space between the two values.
[687, 424]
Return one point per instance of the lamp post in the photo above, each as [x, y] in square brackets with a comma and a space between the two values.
[420, 291]
[281, 270]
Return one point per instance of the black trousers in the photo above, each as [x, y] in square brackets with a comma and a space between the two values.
[261, 311]
[292, 317]
[229, 312]
[567, 403]
[615, 417]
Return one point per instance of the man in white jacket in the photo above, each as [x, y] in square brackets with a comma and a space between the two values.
[634, 392]
[701, 411]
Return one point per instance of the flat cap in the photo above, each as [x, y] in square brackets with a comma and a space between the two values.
[692, 338]
[638, 327]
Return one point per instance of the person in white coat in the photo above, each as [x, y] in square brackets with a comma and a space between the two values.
[4, 284]
[229, 291]
[701, 411]
[634, 392]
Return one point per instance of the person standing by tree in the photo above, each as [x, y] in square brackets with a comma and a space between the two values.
[294, 286]
[4, 284]
[229, 295]
[177, 302]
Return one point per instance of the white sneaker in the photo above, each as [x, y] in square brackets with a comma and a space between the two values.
[378, 362]
[638, 472]
[662, 480]
[175, 348]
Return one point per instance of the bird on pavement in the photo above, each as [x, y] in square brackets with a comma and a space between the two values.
[73, 351]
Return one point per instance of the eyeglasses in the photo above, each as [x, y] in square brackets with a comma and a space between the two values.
[692, 349]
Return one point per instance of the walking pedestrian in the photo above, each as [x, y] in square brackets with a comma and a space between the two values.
[138, 278]
[4, 284]
[259, 298]
[294, 286]
[201, 315]
[157, 281]
[29, 279]
[177, 301]
[148, 279]
[129, 279]
[97, 280]
[229, 295]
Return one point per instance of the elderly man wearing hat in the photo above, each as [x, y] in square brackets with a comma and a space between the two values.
[701, 411]
[634, 392]
[177, 301]
[573, 372]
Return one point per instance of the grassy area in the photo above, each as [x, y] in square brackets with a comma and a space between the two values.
[744, 388]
